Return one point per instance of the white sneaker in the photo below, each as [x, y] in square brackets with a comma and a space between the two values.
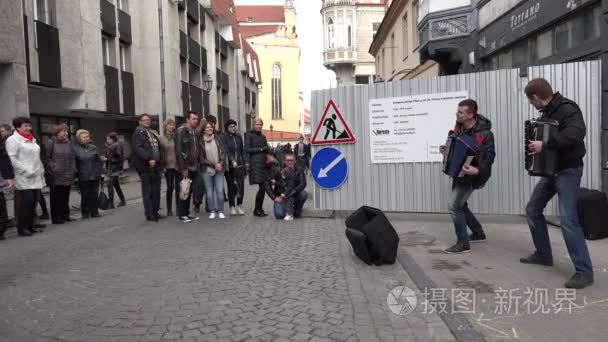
[240, 211]
[221, 216]
[288, 218]
[212, 216]
[232, 211]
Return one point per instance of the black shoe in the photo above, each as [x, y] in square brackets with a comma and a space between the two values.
[459, 248]
[95, 215]
[44, 217]
[259, 213]
[26, 233]
[579, 281]
[197, 209]
[152, 218]
[111, 206]
[2, 237]
[169, 212]
[477, 237]
[11, 223]
[535, 259]
[122, 203]
[34, 230]
[69, 219]
[160, 217]
[86, 217]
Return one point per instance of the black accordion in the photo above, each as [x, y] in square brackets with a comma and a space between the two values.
[542, 164]
[460, 151]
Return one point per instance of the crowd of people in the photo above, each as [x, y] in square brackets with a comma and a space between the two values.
[195, 159]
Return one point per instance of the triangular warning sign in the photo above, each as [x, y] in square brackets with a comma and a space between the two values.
[332, 128]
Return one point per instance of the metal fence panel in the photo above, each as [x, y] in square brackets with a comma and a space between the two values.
[422, 187]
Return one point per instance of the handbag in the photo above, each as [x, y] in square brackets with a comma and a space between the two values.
[103, 202]
[184, 188]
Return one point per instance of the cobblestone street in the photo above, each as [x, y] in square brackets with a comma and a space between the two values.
[120, 278]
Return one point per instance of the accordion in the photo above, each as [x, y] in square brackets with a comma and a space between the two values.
[545, 163]
[460, 151]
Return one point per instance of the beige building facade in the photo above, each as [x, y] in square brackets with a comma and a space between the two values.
[395, 46]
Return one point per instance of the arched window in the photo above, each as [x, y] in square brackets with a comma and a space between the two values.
[276, 92]
[330, 34]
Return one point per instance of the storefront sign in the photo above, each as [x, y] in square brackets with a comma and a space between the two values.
[529, 16]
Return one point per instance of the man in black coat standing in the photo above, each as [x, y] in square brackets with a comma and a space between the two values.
[6, 169]
[302, 152]
[568, 141]
[146, 157]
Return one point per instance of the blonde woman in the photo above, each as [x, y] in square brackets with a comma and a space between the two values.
[90, 169]
[256, 147]
[169, 163]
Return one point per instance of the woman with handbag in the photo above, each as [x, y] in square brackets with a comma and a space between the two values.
[90, 169]
[60, 171]
[235, 173]
[114, 158]
[212, 158]
[169, 163]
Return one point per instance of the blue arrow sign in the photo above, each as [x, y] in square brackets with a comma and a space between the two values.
[329, 168]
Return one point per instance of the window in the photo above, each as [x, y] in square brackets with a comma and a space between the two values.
[349, 32]
[505, 60]
[105, 48]
[276, 92]
[330, 34]
[43, 11]
[362, 79]
[405, 37]
[544, 45]
[375, 27]
[393, 49]
[125, 58]
[520, 55]
[340, 30]
[123, 5]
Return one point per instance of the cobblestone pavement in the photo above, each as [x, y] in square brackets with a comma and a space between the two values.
[120, 278]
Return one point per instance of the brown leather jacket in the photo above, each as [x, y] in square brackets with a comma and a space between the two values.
[202, 157]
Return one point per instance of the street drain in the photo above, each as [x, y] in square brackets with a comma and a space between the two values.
[416, 238]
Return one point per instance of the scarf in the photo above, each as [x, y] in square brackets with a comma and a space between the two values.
[211, 149]
[28, 136]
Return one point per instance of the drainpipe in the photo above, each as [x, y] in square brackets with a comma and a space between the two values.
[163, 90]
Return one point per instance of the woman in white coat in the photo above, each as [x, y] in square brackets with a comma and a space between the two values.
[24, 152]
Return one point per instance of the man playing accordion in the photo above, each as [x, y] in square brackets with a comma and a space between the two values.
[568, 140]
[470, 124]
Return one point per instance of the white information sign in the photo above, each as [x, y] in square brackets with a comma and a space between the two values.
[410, 129]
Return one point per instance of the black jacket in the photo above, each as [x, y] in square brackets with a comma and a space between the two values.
[186, 149]
[482, 134]
[88, 163]
[256, 148]
[306, 150]
[143, 151]
[569, 139]
[6, 167]
[284, 181]
[115, 157]
[233, 145]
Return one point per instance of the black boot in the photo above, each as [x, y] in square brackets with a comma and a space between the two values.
[122, 203]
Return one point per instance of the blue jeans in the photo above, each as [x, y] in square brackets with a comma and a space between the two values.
[281, 209]
[566, 184]
[214, 185]
[460, 212]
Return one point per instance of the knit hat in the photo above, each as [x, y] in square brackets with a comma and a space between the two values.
[228, 123]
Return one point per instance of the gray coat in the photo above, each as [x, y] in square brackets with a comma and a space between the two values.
[88, 163]
[61, 162]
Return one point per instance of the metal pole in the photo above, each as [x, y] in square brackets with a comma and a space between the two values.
[163, 90]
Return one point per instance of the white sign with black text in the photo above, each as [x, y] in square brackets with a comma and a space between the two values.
[410, 129]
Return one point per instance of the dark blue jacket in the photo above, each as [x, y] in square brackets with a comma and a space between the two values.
[233, 145]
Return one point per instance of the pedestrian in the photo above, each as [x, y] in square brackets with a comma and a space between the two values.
[256, 148]
[8, 185]
[90, 171]
[114, 158]
[60, 173]
[212, 159]
[302, 152]
[24, 153]
[6, 131]
[187, 153]
[470, 123]
[235, 173]
[169, 164]
[146, 158]
[569, 144]
[279, 152]
[286, 188]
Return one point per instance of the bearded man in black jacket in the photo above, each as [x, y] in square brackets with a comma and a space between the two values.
[568, 141]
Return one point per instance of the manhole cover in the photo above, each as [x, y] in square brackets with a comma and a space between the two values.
[416, 238]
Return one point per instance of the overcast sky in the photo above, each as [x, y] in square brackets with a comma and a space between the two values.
[313, 74]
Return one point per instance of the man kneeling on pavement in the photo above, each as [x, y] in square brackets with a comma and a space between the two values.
[286, 188]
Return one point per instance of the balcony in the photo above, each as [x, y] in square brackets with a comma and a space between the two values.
[124, 26]
[445, 28]
[112, 89]
[128, 93]
[108, 18]
[194, 52]
[49, 55]
[202, 18]
[203, 59]
[196, 99]
[223, 47]
[339, 56]
[185, 97]
[183, 44]
[218, 78]
[192, 10]
[333, 3]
